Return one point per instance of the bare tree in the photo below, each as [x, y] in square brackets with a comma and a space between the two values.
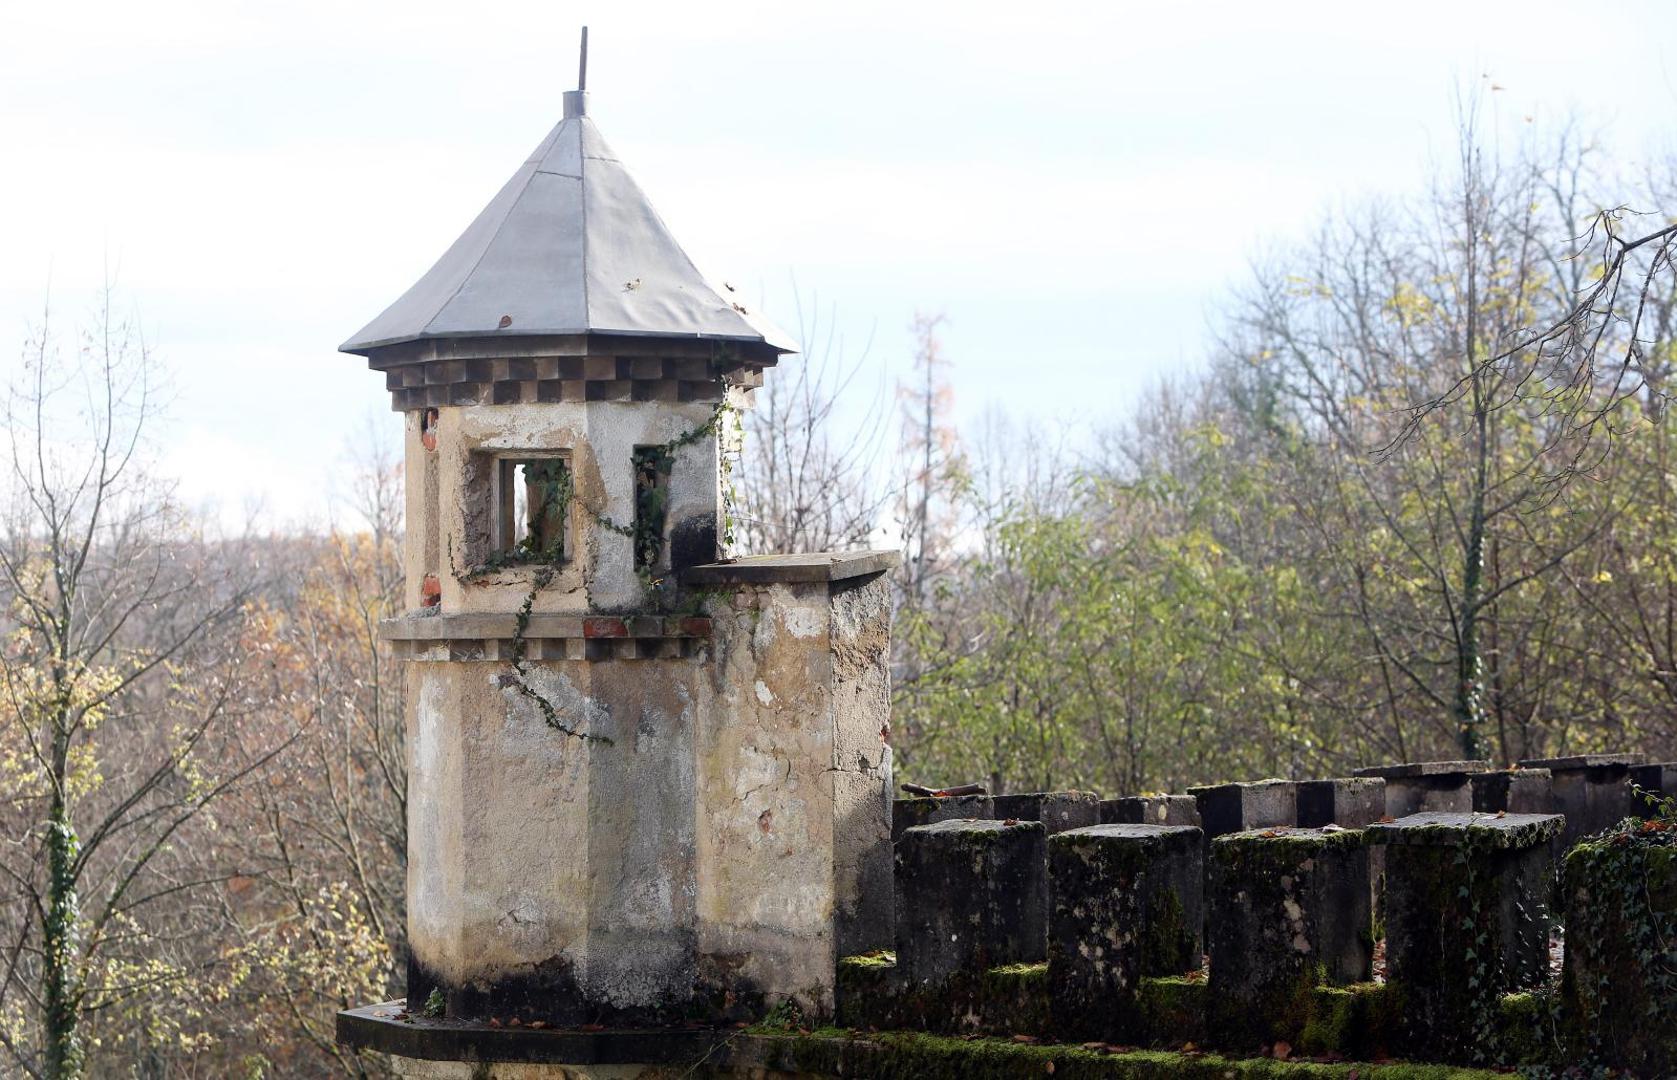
[120, 703]
[805, 488]
[934, 467]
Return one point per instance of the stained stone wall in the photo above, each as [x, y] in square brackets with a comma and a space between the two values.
[450, 509]
[723, 849]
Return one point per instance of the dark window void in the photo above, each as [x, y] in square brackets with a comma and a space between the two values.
[652, 504]
[535, 504]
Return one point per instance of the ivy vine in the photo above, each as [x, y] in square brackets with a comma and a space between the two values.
[557, 494]
[1622, 920]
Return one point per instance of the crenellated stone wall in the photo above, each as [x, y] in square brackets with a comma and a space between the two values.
[1452, 955]
[1263, 942]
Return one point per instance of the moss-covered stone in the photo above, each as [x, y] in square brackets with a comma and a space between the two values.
[1125, 901]
[969, 895]
[1467, 921]
[928, 810]
[1010, 999]
[1290, 910]
[1014, 999]
[1172, 1010]
[908, 1056]
[1528, 1033]
[1354, 1021]
[1619, 987]
[860, 981]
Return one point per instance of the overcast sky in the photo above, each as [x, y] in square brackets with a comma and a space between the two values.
[1076, 187]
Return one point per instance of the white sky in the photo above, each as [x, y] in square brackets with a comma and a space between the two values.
[1076, 186]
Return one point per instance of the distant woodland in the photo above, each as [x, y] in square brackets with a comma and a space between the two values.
[1418, 502]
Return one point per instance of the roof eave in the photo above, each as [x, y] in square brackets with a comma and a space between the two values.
[368, 348]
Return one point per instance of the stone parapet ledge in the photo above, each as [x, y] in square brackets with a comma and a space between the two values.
[1410, 769]
[1658, 779]
[804, 569]
[1515, 791]
[1590, 789]
[1417, 787]
[389, 1028]
[1350, 1024]
[930, 809]
[1156, 809]
[1254, 804]
[443, 1050]
[1057, 810]
[1581, 761]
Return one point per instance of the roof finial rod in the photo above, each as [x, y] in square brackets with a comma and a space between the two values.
[576, 101]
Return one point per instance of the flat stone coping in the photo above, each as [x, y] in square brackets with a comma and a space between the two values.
[497, 627]
[1125, 831]
[1498, 831]
[1239, 785]
[821, 566]
[1321, 836]
[1423, 768]
[971, 825]
[1582, 761]
[381, 1028]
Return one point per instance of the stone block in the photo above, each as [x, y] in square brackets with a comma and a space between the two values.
[1350, 802]
[1151, 810]
[1658, 779]
[1125, 901]
[908, 813]
[970, 895]
[1467, 920]
[1288, 908]
[1617, 984]
[1514, 791]
[1590, 790]
[1419, 787]
[1057, 810]
[1260, 804]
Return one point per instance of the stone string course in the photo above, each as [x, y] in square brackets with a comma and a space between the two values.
[549, 637]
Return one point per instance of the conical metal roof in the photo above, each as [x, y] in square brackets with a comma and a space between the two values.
[571, 245]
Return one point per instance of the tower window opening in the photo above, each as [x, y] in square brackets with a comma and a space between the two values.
[651, 466]
[535, 506]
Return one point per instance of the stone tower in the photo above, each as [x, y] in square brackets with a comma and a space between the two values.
[647, 781]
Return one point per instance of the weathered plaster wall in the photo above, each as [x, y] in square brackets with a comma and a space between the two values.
[859, 638]
[543, 865]
[794, 787]
[450, 514]
[732, 840]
